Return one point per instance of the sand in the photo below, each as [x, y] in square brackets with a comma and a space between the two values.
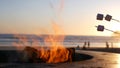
[111, 50]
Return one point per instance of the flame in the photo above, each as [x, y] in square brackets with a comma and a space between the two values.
[57, 52]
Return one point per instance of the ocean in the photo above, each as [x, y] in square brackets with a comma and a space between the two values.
[69, 40]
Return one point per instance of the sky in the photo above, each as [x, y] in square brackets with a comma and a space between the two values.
[73, 17]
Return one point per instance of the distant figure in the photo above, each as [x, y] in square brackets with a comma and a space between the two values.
[77, 47]
[84, 46]
[88, 44]
[107, 45]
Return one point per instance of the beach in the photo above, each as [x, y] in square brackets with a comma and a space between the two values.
[89, 58]
[83, 59]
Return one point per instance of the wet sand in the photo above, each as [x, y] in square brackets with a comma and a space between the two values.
[111, 50]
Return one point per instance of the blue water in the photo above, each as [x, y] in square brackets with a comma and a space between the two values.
[69, 41]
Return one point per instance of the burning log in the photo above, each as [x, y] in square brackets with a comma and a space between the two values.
[31, 54]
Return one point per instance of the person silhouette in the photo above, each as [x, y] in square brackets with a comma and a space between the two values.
[107, 45]
[88, 44]
[77, 47]
[84, 46]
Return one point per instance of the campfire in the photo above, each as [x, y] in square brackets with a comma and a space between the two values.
[33, 55]
[52, 52]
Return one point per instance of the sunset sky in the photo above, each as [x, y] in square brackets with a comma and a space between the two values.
[74, 17]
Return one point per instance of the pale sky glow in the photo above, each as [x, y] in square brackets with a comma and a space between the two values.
[75, 17]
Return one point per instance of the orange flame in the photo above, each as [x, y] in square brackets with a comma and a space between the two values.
[57, 52]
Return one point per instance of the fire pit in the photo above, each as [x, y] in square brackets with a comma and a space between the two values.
[31, 54]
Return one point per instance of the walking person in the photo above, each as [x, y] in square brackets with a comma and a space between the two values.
[107, 45]
[88, 44]
[77, 47]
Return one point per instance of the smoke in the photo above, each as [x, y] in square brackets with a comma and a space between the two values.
[57, 9]
[61, 5]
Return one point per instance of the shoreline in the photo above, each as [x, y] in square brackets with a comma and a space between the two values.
[101, 49]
